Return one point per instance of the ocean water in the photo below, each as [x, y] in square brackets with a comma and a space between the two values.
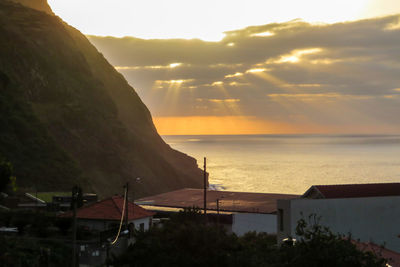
[292, 163]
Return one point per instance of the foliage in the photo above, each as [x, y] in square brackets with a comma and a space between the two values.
[189, 243]
[319, 246]
[186, 241]
[63, 224]
[34, 224]
[6, 172]
[18, 251]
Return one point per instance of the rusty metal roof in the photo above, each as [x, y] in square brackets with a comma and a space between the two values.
[228, 201]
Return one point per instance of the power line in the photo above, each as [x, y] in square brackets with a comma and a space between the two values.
[122, 218]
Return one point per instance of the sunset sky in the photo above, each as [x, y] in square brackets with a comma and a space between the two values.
[253, 67]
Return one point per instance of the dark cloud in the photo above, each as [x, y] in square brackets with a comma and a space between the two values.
[334, 74]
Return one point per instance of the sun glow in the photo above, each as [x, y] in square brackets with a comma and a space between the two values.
[197, 125]
[263, 34]
[174, 65]
[172, 82]
[163, 19]
[170, 66]
[237, 74]
[256, 70]
[217, 83]
[295, 56]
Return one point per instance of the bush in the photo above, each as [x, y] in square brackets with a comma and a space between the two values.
[319, 246]
[187, 241]
[63, 224]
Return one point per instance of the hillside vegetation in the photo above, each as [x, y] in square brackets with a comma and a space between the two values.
[67, 116]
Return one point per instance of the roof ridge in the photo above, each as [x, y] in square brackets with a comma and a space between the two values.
[356, 184]
[115, 204]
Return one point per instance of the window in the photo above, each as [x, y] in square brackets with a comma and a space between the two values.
[280, 219]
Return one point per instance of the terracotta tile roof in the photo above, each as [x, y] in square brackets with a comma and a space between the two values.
[354, 190]
[228, 201]
[392, 257]
[110, 209]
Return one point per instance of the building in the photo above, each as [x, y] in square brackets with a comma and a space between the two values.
[370, 212]
[103, 219]
[393, 258]
[243, 211]
[45, 201]
[23, 201]
[106, 214]
[63, 202]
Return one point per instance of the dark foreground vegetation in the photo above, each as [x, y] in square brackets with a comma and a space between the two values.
[44, 240]
[186, 241]
[41, 240]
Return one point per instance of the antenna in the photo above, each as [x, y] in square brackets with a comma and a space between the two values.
[205, 189]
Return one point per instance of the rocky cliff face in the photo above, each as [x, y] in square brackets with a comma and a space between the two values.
[67, 116]
[40, 5]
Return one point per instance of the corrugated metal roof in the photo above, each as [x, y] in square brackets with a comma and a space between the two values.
[353, 190]
[110, 209]
[228, 201]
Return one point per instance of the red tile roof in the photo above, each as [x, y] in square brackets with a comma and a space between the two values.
[355, 190]
[228, 201]
[110, 209]
[392, 257]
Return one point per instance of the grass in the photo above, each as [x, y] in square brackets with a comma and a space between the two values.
[48, 196]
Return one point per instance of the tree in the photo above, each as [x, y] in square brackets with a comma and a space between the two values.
[183, 241]
[186, 241]
[6, 172]
[319, 246]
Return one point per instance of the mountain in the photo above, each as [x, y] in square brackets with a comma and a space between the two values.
[67, 116]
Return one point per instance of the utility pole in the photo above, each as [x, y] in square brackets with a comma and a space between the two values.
[205, 190]
[218, 212]
[74, 200]
[218, 200]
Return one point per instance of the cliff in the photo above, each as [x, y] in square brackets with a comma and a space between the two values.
[67, 116]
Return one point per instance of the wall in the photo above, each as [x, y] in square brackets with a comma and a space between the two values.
[94, 224]
[245, 222]
[104, 225]
[146, 222]
[375, 219]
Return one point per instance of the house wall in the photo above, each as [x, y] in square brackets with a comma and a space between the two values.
[102, 225]
[245, 222]
[146, 222]
[98, 225]
[374, 219]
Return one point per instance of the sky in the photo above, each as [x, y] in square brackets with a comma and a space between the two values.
[253, 67]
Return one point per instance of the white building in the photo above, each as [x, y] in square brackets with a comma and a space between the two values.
[242, 211]
[370, 212]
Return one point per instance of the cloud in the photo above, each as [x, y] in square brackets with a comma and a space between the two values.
[325, 74]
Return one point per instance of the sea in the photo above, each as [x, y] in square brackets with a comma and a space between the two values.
[290, 164]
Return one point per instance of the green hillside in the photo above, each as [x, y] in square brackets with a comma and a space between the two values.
[67, 116]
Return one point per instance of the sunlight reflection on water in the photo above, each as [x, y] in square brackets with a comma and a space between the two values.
[292, 163]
